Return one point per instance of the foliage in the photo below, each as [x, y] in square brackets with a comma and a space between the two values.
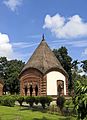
[7, 101]
[20, 99]
[37, 100]
[60, 102]
[49, 100]
[43, 101]
[80, 99]
[65, 60]
[30, 100]
[9, 72]
[84, 65]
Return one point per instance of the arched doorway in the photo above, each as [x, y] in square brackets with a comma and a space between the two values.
[36, 90]
[60, 87]
[26, 90]
[31, 90]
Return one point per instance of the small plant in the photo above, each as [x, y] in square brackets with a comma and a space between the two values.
[60, 102]
[43, 101]
[7, 101]
[20, 100]
[30, 100]
[49, 100]
[37, 100]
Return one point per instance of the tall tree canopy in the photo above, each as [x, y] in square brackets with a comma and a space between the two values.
[9, 72]
[65, 60]
[84, 65]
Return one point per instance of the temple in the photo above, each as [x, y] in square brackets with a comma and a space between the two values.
[43, 74]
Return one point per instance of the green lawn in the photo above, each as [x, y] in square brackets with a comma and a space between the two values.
[15, 113]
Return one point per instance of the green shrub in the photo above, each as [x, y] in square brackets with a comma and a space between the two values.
[20, 100]
[43, 101]
[7, 101]
[60, 102]
[49, 100]
[30, 100]
[37, 100]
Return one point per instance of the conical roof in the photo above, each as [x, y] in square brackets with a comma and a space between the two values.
[43, 59]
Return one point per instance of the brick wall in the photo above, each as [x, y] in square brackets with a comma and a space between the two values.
[33, 77]
[1, 89]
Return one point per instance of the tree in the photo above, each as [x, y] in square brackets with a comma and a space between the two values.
[9, 72]
[84, 65]
[65, 60]
[3, 66]
[3, 69]
[75, 65]
[80, 99]
[13, 71]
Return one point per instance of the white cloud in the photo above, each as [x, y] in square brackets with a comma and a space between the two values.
[72, 43]
[24, 44]
[66, 27]
[5, 46]
[12, 4]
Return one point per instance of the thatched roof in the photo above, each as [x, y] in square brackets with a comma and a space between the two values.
[43, 59]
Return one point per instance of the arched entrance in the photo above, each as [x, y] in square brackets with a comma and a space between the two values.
[31, 90]
[26, 90]
[36, 90]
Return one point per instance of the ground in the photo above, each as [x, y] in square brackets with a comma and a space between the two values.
[18, 113]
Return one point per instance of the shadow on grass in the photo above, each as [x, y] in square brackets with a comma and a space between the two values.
[44, 118]
[35, 108]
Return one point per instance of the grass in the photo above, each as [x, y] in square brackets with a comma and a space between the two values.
[16, 113]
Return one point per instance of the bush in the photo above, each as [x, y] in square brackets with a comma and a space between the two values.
[43, 101]
[7, 101]
[30, 100]
[49, 100]
[37, 100]
[20, 100]
[60, 102]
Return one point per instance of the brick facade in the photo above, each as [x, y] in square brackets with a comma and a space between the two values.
[1, 88]
[33, 77]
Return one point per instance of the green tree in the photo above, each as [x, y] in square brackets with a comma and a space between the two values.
[65, 60]
[13, 71]
[75, 65]
[9, 72]
[84, 65]
[3, 69]
[80, 99]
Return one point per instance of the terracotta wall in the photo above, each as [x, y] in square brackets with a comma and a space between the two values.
[1, 89]
[33, 77]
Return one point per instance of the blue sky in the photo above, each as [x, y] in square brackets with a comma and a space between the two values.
[22, 23]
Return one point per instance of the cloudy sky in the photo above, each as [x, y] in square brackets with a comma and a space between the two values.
[22, 23]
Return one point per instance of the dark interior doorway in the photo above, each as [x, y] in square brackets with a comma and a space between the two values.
[31, 90]
[36, 90]
[26, 89]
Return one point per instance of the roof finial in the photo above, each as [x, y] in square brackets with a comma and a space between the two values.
[43, 37]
